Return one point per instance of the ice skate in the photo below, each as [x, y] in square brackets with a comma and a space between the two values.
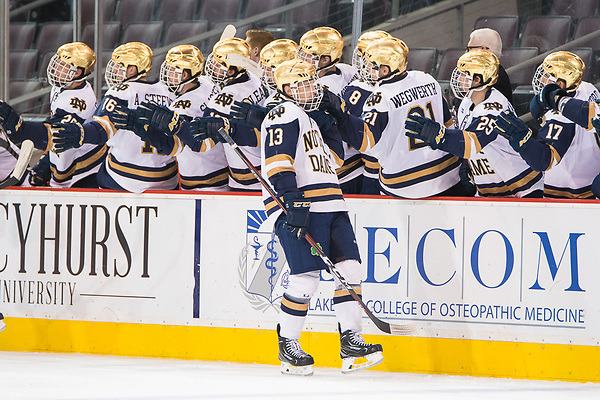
[294, 360]
[353, 347]
[2, 324]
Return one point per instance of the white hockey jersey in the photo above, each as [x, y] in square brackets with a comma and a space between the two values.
[134, 164]
[498, 170]
[206, 170]
[246, 88]
[409, 168]
[292, 143]
[336, 82]
[576, 152]
[74, 105]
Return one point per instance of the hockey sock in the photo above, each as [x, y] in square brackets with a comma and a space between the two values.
[293, 314]
[347, 310]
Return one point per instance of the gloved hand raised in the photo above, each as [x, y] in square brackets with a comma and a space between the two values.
[511, 127]
[425, 129]
[248, 113]
[67, 136]
[159, 117]
[546, 100]
[11, 122]
[208, 128]
[298, 210]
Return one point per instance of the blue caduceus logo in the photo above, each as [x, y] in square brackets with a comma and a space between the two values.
[265, 265]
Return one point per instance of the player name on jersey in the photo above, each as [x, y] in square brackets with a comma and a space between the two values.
[414, 93]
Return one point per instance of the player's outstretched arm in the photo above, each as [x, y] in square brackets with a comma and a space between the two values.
[538, 155]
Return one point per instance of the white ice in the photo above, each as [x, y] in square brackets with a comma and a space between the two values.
[78, 376]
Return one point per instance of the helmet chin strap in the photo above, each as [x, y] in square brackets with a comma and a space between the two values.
[476, 89]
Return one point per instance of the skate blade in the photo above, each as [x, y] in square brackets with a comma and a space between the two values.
[350, 365]
[303, 370]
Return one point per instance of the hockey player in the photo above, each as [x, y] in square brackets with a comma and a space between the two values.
[72, 99]
[131, 164]
[291, 145]
[409, 168]
[257, 39]
[322, 47]
[497, 169]
[237, 85]
[180, 72]
[355, 95]
[567, 152]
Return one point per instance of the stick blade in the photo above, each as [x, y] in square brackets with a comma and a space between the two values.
[403, 330]
[228, 32]
[246, 63]
[23, 160]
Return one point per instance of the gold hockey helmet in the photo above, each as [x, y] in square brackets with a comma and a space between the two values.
[129, 54]
[391, 52]
[64, 64]
[272, 55]
[301, 76]
[319, 42]
[363, 41]
[178, 59]
[475, 62]
[217, 64]
[560, 65]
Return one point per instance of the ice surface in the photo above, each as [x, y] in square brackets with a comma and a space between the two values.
[78, 376]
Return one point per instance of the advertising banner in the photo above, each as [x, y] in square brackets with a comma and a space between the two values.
[490, 270]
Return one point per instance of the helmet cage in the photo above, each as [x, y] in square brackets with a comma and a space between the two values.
[215, 71]
[268, 76]
[357, 56]
[304, 55]
[171, 76]
[541, 78]
[59, 72]
[307, 94]
[369, 71]
[115, 74]
[460, 82]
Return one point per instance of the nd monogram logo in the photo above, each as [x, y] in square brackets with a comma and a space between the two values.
[78, 104]
[263, 272]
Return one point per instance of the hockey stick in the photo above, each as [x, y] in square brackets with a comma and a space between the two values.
[21, 166]
[246, 63]
[398, 330]
[228, 32]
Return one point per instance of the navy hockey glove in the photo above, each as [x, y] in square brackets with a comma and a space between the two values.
[546, 100]
[11, 122]
[208, 128]
[333, 104]
[248, 113]
[297, 209]
[511, 127]
[125, 118]
[425, 129]
[67, 136]
[159, 117]
[40, 174]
